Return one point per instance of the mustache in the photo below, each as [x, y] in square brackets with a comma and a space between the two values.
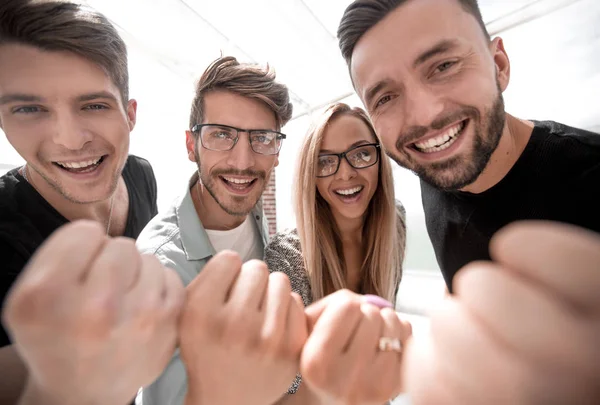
[414, 133]
[244, 173]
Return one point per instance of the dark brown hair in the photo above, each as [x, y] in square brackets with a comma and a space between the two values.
[362, 15]
[247, 80]
[69, 27]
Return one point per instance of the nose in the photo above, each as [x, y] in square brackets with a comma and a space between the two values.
[241, 157]
[422, 106]
[68, 133]
[345, 172]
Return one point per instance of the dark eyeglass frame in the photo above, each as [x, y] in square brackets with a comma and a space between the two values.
[196, 129]
[344, 155]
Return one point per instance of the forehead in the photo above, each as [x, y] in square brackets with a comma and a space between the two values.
[408, 31]
[50, 75]
[344, 131]
[228, 108]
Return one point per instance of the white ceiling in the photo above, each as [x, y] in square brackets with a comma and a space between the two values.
[297, 37]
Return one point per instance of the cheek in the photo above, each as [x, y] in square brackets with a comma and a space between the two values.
[26, 137]
[266, 164]
[373, 177]
[322, 186]
[388, 129]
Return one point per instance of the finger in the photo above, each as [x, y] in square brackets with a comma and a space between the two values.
[147, 292]
[421, 376]
[363, 342]
[390, 362]
[562, 258]
[332, 330]
[526, 319]
[116, 269]
[173, 293]
[66, 255]
[250, 287]
[276, 307]
[215, 281]
[296, 330]
[315, 310]
[298, 298]
[113, 273]
[320, 359]
[62, 261]
[470, 362]
[394, 327]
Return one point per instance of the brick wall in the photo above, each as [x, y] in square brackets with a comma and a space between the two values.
[269, 204]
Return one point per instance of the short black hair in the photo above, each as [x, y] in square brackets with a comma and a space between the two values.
[362, 15]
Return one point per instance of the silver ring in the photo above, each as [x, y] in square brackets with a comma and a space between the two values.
[388, 344]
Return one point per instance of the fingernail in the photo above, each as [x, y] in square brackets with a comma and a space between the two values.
[377, 301]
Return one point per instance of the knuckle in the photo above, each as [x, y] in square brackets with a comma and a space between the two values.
[281, 280]
[101, 313]
[348, 308]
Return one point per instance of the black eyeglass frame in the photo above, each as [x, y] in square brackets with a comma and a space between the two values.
[344, 155]
[198, 127]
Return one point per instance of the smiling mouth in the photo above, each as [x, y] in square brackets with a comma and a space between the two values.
[238, 184]
[84, 166]
[349, 194]
[442, 141]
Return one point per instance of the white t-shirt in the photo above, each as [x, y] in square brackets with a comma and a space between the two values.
[245, 240]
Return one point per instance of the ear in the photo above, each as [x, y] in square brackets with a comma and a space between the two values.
[276, 160]
[501, 62]
[190, 144]
[132, 114]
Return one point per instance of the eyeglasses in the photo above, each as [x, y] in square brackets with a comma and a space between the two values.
[359, 157]
[224, 137]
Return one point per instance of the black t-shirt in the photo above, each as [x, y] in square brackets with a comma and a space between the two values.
[27, 219]
[556, 178]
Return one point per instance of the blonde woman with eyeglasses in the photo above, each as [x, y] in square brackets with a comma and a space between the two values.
[350, 234]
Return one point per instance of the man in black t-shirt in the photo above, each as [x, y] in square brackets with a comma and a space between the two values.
[65, 108]
[432, 80]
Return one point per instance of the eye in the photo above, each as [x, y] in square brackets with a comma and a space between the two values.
[362, 156]
[264, 138]
[27, 110]
[326, 161]
[445, 66]
[94, 107]
[383, 100]
[221, 135]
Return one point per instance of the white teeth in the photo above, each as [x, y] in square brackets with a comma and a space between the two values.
[441, 139]
[238, 181]
[79, 165]
[350, 190]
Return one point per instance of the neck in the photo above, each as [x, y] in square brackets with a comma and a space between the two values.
[211, 214]
[350, 230]
[514, 139]
[100, 211]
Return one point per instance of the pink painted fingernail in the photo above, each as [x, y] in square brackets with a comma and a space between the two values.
[377, 301]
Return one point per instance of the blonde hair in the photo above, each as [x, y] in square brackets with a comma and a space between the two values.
[384, 230]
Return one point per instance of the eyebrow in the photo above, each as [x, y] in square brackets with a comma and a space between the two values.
[441, 47]
[29, 98]
[96, 96]
[357, 143]
[376, 88]
[19, 97]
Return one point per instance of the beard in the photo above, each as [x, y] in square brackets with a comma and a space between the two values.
[458, 171]
[232, 205]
